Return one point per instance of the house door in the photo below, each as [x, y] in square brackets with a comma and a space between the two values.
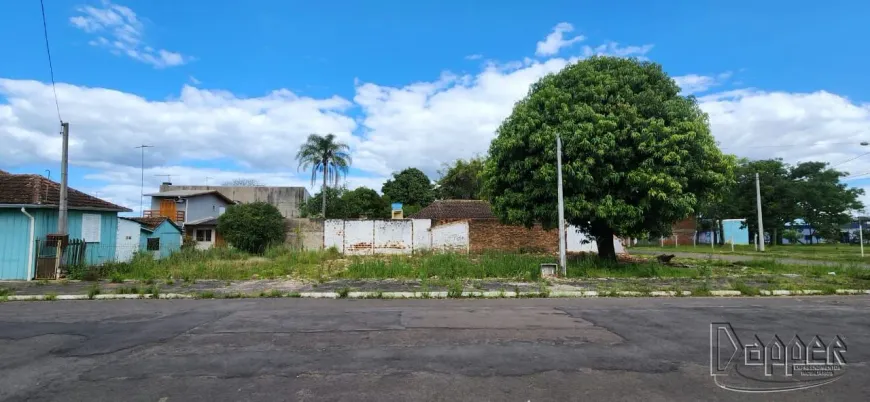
[167, 208]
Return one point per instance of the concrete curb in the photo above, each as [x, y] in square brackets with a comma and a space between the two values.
[440, 295]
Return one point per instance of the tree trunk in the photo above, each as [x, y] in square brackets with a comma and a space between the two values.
[775, 239]
[721, 229]
[604, 237]
[323, 190]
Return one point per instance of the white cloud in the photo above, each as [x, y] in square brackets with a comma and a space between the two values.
[555, 41]
[817, 126]
[694, 83]
[614, 49]
[262, 132]
[120, 30]
[194, 81]
[422, 124]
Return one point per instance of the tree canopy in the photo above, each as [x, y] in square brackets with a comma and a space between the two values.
[461, 180]
[411, 187]
[252, 227]
[361, 202]
[810, 191]
[335, 206]
[637, 156]
[364, 202]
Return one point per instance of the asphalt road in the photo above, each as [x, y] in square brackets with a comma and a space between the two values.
[405, 350]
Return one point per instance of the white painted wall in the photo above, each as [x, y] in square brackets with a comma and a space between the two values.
[393, 237]
[127, 242]
[358, 237]
[421, 235]
[333, 234]
[451, 237]
[579, 242]
[408, 235]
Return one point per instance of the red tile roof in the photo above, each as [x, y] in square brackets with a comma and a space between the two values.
[31, 189]
[455, 209]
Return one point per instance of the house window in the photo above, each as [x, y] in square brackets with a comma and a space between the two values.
[203, 235]
[153, 244]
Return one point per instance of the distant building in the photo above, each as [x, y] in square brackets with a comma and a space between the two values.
[158, 236]
[204, 231]
[288, 200]
[29, 211]
[183, 206]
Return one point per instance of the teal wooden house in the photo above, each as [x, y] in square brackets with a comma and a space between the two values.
[29, 212]
[158, 236]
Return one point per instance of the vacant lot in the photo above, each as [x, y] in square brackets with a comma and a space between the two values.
[187, 270]
[821, 252]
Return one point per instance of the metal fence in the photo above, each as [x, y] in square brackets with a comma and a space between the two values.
[78, 253]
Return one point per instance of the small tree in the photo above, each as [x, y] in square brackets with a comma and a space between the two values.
[252, 227]
[791, 235]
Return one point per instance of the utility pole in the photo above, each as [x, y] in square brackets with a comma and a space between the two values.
[758, 206]
[563, 259]
[62, 220]
[142, 185]
[861, 236]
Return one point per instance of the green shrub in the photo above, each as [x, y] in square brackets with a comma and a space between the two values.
[116, 277]
[252, 227]
[455, 290]
[93, 291]
[188, 242]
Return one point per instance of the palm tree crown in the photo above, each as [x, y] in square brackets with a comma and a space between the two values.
[323, 154]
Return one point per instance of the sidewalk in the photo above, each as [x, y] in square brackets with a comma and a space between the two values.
[739, 257]
[554, 287]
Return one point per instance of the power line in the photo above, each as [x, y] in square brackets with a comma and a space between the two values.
[851, 159]
[50, 67]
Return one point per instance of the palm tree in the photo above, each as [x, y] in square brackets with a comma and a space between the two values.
[324, 154]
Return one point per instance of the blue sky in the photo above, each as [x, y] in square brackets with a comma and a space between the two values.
[229, 89]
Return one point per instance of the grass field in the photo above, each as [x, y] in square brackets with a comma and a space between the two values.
[818, 252]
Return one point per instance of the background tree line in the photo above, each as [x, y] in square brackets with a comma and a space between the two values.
[810, 191]
[411, 187]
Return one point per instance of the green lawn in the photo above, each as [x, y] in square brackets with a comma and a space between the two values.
[820, 252]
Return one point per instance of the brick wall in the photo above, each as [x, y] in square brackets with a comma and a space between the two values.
[685, 231]
[492, 235]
